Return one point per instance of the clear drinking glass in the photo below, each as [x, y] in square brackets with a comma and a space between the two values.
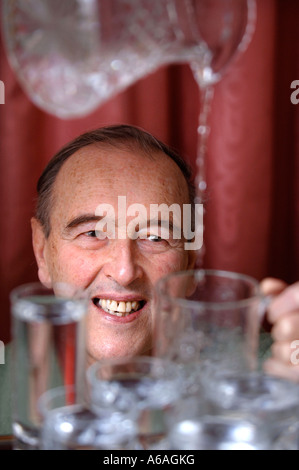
[48, 342]
[272, 400]
[208, 319]
[209, 322]
[145, 386]
[218, 433]
[69, 424]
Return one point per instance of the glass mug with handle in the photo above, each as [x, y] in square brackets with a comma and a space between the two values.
[208, 318]
[209, 322]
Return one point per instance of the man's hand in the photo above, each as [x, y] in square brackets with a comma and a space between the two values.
[283, 314]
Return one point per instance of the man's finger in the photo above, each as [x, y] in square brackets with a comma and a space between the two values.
[284, 303]
[287, 329]
[272, 286]
[286, 352]
[279, 369]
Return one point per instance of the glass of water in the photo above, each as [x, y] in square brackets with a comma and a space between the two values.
[146, 387]
[272, 400]
[209, 322]
[208, 319]
[69, 424]
[48, 343]
[218, 433]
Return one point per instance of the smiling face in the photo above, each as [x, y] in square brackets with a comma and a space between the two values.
[119, 273]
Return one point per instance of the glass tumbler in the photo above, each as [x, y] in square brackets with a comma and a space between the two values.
[218, 433]
[208, 321]
[148, 388]
[70, 424]
[48, 348]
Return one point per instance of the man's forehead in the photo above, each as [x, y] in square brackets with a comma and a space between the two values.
[95, 156]
[95, 175]
[107, 161]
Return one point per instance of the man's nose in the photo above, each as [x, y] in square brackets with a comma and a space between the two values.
[123, 265]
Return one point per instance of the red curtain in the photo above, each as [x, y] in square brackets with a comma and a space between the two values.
[252, 219]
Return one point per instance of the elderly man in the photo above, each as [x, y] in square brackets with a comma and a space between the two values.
[120, 271]
[72, 245]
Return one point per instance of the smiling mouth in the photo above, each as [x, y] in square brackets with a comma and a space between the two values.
[118, 308]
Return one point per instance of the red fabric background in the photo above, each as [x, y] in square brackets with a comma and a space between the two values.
[252, 222]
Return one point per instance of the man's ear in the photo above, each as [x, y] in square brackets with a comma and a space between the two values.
[39, 244]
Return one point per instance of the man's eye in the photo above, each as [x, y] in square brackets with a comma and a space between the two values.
[154, 238]
[91, 233]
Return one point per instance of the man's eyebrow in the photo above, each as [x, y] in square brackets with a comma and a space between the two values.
[88, 218]
[167, 223]
[82, 219]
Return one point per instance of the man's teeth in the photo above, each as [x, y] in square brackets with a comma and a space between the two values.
[120, 309]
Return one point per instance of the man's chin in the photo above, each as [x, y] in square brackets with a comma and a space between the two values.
[114, 353]
[109, 339]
